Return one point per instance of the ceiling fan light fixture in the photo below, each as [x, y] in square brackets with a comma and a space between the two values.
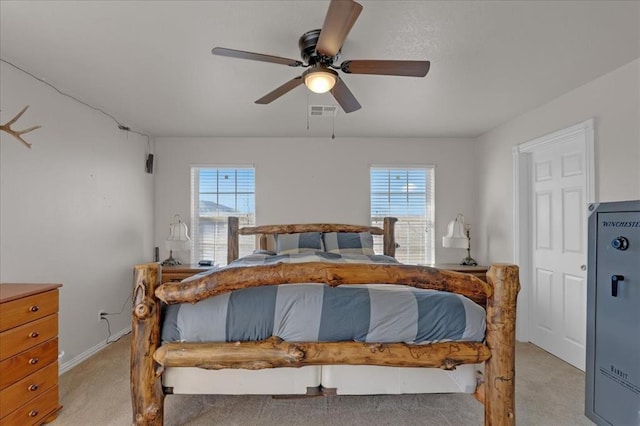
[320, 80]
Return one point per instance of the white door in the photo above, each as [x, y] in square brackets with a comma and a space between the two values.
[559, 248]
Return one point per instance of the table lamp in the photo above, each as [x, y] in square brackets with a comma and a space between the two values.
[458, 236]
[178, 239]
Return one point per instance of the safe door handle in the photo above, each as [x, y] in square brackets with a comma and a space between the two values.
[614, 284]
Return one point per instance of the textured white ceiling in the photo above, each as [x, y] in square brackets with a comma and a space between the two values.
[149, 63]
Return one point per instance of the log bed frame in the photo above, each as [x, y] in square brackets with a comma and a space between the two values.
[497, 295]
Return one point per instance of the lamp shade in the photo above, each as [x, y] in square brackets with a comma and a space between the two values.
[178, 238]
[320, 80]
[456, 234]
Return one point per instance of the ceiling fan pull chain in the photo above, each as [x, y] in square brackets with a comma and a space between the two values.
[307, 111]
[333, 126]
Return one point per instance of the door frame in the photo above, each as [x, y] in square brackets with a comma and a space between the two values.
[522, 224]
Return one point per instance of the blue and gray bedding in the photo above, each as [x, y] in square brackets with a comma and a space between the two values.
[316, 312]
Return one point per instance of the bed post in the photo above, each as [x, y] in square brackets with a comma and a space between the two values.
[500, 370]
[147, 397]
[389, 237]
[232, 239]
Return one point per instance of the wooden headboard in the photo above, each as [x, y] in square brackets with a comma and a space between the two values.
[387, 232]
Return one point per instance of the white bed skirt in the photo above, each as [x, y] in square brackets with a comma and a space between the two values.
[374, 380]
[270, 381]
[345, 379]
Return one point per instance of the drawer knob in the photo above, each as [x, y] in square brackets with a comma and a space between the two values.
[33, 413]
[33, 361]
[34, 308]
[33, 387]
[34, 334]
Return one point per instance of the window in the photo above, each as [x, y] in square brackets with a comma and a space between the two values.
[406, 193]
[216, 194]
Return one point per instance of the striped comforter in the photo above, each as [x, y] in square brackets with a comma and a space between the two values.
[316, 312]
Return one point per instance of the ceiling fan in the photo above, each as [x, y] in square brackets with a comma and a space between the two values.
[320, 50]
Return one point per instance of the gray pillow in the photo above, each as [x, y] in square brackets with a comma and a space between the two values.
[298, 243]
[348, 242]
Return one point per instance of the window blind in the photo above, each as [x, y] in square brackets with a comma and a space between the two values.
[406, 193]
[216, 194]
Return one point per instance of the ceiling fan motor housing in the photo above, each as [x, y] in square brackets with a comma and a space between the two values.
[307, 44]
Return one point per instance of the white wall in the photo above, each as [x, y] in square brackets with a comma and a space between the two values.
[76, 209]
[317, 180]
[613, 100]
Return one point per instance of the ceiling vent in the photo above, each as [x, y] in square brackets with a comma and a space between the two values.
[323, 110]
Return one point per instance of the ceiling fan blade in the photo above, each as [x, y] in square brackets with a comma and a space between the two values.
[221, 51]
[341, 16]
[275, 94]
[345, 98]
[402, 68]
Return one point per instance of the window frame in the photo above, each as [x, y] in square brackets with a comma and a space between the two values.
[219, 221]
[429, 240]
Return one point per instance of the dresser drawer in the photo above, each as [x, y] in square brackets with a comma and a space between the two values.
[25, 363]
[34, 411]
[25, 336]
[28, 388]
[28, 309]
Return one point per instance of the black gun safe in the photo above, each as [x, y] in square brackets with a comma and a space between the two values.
[613, 314]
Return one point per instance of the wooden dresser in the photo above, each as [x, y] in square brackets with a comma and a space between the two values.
[28, 354]
[180, 272]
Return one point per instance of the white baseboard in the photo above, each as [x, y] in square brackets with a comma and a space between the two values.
[91, 351]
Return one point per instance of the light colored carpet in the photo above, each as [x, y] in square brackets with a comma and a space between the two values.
[548, 392]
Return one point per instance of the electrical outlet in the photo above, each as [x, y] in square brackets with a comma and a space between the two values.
[102, 314]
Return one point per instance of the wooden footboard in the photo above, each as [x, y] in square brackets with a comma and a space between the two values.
[500, 369]
[499, 297]
[275, 352]
[332, 274]
[147, 397]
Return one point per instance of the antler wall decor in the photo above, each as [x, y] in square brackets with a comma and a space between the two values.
[18, 133]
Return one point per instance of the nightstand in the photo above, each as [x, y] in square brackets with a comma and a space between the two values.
[28, 353]
[479, 271]
[180, 272]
